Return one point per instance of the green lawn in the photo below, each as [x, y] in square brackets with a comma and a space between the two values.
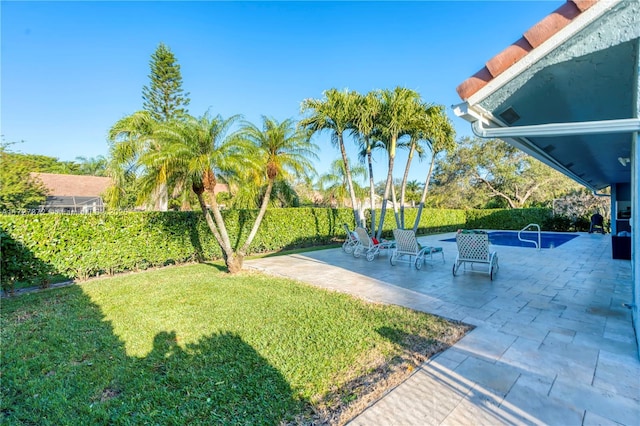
[194, 345]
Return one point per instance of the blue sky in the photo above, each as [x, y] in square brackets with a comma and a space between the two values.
[72, 69]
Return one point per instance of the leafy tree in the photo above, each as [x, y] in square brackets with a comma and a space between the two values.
[42, 163]
[334, 113]
[491, 173]
[18, 190]
[164, 98]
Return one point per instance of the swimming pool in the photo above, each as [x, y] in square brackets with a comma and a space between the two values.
[510, 238]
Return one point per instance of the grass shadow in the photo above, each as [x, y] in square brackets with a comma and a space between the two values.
[70, 368]
[219, 265]
[21, 268]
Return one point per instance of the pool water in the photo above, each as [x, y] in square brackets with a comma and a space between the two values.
[510, 238]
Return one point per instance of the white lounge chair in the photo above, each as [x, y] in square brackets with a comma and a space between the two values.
[407, 245]
[473, 247]
[351, 240]
[368, 246]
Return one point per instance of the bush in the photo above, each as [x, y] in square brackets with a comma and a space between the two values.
[35, 247]
[507, 219]
[557, 223]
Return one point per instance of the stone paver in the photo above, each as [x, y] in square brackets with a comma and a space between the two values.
[552, 344]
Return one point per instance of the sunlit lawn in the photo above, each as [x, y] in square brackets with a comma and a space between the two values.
[194, 345]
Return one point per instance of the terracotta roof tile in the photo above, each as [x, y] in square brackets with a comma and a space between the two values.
[533, 38]
[509, 56]
[73, 185]
[474, 83]
[551, 24]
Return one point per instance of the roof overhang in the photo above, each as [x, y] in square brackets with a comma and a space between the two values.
[572, 101]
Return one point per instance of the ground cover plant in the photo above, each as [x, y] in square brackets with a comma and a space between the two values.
[194, 345]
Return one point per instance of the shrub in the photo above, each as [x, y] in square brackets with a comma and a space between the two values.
[508, 219]
[35, 247]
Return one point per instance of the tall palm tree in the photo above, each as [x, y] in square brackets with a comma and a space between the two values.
[440, 136]
[282, 150]
[419, 143]
[334, 113]
[363, 127]
[399, 109]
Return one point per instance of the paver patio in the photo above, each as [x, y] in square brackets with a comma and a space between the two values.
[553, 343]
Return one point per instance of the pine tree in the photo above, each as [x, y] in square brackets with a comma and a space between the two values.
[164, 98]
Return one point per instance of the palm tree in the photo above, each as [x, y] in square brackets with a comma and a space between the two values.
[93, 166]
[334, 113]
[413, 190]
[195, 152]
[363, 128]
[399, 109]
[440, 136]
[129, 137]
[333, 183]
[283, 151]
[419, 132]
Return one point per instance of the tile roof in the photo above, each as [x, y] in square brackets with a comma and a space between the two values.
[531, 39]
[73, 185]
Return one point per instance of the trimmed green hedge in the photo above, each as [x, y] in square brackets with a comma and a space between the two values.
[506, 219]
[36, 247]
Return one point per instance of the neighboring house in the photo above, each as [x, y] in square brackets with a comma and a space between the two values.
[73, 193]
[568, 93]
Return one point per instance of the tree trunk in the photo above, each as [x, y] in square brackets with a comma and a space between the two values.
[403, 187]
[160, 198]
[234, 263]
[211, 223]
[256, 224]
[387, 187]
[219, 230]
[423, 198]
[347, 171]
[395, 205]
[372, 191]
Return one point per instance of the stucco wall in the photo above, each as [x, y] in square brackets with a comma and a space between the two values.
[621, 24]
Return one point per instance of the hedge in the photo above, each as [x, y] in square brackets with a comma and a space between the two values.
[36, 247]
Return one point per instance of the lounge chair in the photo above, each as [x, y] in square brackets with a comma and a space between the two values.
[407, 245]
[473, 247]
[368, 246]
[351, 240]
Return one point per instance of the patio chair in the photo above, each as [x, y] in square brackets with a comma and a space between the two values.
[473, 247]
[351, 240]
[597, 223]
[407, 245]
[368, 246]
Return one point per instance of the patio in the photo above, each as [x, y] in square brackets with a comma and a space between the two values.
[553, 343]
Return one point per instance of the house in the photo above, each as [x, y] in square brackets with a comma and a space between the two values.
[568, 93]
[73, 193]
